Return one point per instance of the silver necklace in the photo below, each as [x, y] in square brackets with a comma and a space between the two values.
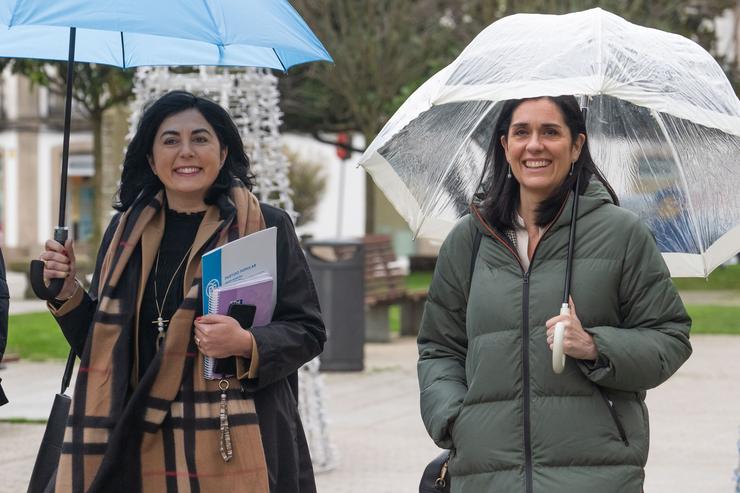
[161, 322]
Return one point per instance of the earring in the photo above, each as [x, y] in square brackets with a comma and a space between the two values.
[508, 173]
[570, 173]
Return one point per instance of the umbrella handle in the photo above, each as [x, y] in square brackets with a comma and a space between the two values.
[36, 273]
[558, 354]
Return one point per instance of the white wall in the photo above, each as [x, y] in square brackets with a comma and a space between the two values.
[10, 96]
[325, 224]
[9, 148]
[727, 28]
[46, 143]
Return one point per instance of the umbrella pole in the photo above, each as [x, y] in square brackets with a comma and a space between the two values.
[573, 217]
[571, 241]
[65, 142]
[558, 356]
[38, 285]
[44, 470]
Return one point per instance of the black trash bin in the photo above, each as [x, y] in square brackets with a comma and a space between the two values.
[338, 270]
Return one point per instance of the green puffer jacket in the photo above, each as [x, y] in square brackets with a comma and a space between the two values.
[488, 390]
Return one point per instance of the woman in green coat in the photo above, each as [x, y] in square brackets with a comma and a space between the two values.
[488, 391]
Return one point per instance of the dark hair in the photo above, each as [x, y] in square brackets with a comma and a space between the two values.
[501, 198]
[137, 176]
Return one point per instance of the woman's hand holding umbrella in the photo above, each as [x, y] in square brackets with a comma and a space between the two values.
[59, 263]
[577, 343]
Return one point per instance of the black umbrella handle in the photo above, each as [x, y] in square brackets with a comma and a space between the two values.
[36, 274]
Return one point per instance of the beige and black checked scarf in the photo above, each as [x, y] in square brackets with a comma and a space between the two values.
[161, 434]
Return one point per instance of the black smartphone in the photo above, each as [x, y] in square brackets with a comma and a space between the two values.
[243, 313]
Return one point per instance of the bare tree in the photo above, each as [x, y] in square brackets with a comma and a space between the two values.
[384, 49]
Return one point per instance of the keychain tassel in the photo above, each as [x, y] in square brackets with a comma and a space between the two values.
[224, 442]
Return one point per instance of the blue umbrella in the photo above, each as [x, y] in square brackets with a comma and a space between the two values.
[255, 33]
[160, 32]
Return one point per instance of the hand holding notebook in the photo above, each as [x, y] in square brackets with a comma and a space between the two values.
[242, 271]
[244, 315]
[257, 292]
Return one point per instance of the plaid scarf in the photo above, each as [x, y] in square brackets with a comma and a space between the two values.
[163, 435]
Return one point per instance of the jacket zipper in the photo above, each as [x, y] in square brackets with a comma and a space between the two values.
[525, 355]
[525, 381]
[528, 482]
[615, 417]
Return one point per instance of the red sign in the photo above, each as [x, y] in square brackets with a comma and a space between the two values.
[342, 141]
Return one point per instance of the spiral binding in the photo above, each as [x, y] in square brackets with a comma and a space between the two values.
[208, 362]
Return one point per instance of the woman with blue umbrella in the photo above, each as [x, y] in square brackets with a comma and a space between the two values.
[240, 33]
[164, 32]
[143, 417]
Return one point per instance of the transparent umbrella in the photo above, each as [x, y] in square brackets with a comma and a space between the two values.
[663, 124]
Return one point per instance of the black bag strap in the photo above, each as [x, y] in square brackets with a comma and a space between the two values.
[474, 256]
[436, 477]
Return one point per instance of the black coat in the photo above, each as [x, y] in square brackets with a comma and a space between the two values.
[4, 303]
[295, 336]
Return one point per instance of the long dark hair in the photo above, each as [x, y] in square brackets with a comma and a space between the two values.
[501, 199]
[137, 176]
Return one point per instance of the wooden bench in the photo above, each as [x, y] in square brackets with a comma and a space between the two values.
[411, 311]
[384, 287]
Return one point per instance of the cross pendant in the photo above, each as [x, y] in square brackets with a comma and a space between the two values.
[160, 327]
[160, 323]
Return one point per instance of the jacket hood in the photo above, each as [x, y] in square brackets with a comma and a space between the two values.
[595, 196]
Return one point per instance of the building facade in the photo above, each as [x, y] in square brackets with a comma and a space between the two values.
[31, 123]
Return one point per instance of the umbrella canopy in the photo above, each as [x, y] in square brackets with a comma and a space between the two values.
[663, 124]
[160, 32]
[150, 32]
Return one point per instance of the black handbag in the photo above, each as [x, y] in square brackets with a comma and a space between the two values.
[435, 479]
[44, 472]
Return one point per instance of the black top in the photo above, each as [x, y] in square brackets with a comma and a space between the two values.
[179, 233]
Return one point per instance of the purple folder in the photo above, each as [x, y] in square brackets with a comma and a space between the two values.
[249, 292]
[255, 291]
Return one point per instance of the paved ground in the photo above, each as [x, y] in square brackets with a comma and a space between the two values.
[723, 298]
[26, 306]
[375, 425]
